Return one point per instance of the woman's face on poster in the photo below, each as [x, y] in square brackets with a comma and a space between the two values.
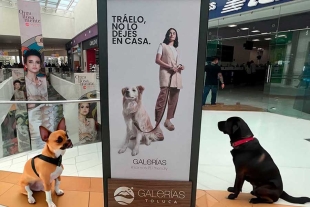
[33, 64]
[84, 109]
[172, 35]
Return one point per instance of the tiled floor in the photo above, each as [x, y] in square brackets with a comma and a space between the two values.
[79, 192]
[88, 192]
[283, 137]
[213, 198]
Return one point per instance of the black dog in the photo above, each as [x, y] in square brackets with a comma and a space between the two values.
[254, 164]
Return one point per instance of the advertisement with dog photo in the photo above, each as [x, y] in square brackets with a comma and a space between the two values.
[152, 70]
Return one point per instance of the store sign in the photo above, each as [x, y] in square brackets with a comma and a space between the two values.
[138, 86]
[140, 193]
[221, 8]
[91, 43]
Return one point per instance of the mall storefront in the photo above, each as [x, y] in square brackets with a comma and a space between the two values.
[275, 36]
[91, 54]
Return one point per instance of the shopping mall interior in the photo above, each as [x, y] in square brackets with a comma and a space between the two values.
[271, 94]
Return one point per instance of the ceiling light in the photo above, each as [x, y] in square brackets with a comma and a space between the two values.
[264, 33]
[254, 47]
[282, 36]
[268, 38]
[255, 31]
[255, 40]
[232, 25]
[245, 28]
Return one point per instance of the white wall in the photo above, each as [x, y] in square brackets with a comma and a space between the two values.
[85, 15]
[53, 26]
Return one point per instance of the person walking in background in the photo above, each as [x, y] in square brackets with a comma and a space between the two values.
[253, 73]
[213, 73]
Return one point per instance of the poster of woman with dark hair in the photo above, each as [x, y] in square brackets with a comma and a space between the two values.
[36, 85]
[87, 122]
[167, 58]
[46, 115]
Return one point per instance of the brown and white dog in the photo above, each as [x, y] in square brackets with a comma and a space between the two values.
[133, 111]
[42, 170]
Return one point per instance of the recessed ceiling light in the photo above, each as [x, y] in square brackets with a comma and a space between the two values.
[255, 40]
[232, 25]
[255, 31]
[265, 33]
[245, 28]
[268, 38]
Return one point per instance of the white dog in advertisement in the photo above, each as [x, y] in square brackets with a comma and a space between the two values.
[138, 123]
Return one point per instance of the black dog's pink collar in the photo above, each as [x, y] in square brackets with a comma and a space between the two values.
[243, 141]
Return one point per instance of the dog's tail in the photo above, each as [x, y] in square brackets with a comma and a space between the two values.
[296, 200]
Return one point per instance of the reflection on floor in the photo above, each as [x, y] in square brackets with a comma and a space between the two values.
[283, 137]
[88, 192]
[282, 99]
[236, 107]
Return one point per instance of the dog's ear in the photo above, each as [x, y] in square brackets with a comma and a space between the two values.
[62, 125]
[140, 89]
[124, 90]
[234, 128]
[45, 133]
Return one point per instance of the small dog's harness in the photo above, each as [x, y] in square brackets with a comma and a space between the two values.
[54, 161]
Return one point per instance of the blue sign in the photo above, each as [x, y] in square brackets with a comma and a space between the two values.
[221, 8]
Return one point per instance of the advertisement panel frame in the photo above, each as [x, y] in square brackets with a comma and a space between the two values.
[104, 95]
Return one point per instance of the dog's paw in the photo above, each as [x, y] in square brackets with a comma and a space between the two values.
[122, 150]
[31, 200]
[135, 152]
[148, 142]
[231, 189]
[59, 192]
[51, 204]
[232, 196]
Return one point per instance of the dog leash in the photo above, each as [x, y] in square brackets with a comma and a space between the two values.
[162, 115]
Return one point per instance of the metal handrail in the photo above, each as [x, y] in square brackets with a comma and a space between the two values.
[50, 102]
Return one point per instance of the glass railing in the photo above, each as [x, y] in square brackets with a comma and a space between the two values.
[288, 95]
[19, 130]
